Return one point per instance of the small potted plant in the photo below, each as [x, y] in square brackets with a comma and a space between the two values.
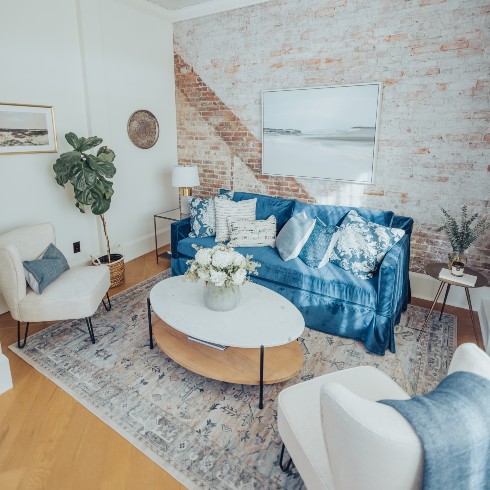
[89, 174]
[223, 271]
[462, 236]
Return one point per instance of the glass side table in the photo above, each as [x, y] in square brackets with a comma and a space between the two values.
[171, 215]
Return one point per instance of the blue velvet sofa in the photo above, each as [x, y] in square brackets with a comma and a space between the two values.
[331, 299]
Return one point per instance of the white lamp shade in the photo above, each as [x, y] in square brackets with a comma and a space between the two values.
[185, 176]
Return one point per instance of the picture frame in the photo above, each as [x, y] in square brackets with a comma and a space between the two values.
[26, 128]
[328, 132]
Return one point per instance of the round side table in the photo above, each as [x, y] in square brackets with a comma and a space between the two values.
[433, 269]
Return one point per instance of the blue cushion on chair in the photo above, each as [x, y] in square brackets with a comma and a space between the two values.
[318, 248]
[42, 272]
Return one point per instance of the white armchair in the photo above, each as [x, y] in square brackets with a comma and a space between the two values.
[340, 438]
[77, 293]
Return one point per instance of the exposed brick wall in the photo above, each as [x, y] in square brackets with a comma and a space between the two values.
[432, 57]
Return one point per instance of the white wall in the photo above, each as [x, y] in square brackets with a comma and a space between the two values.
[96, 61]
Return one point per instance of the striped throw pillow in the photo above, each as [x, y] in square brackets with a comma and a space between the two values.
[257, 233]
[240, 210]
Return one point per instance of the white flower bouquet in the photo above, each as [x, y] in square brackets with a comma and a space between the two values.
[221, 266]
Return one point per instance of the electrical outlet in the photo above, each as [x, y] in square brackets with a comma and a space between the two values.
[76, 247]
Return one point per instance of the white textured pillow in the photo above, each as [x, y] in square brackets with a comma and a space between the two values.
[239, 210]
[257, 233]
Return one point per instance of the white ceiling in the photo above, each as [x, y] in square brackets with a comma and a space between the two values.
[177, 4]
[177, 10]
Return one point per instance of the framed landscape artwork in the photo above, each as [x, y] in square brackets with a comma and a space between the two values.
[324, 132]
[27, 129]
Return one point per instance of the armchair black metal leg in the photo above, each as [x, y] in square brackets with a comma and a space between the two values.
[150, 326]
[90, 328]
[281, 463]
[107, 306]
[25, 336]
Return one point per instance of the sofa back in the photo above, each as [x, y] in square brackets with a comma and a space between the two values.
[334, 215]
[281, 208]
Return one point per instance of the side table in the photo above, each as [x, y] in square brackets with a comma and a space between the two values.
[433, 269]
[171, 215]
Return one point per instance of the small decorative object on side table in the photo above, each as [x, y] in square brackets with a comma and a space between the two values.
[434, 269]
[171, 215]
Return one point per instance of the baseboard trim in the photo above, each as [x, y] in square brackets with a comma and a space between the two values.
[144, 244]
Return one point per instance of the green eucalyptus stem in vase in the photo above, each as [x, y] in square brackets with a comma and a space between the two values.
[462, 235]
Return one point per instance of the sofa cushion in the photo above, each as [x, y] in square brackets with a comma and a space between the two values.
[266, 205]
[318, 248]
[202, 214]
[234, 210]
[256, 233]
[334, 215]
[293, 236]
[361, 245]
[330, 280]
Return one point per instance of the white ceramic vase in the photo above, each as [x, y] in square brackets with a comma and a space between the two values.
[222, 298]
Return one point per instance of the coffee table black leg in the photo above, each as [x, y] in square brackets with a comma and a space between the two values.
[150, 327]
[448, 287]
[261, 400]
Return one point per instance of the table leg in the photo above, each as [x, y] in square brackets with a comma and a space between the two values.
[471, 311]
[156, 241]
[444, 302]
[431, 309]
[150, 326]
[261, 400]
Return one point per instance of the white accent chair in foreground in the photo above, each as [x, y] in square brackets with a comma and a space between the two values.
[340, 438]
[75, 294]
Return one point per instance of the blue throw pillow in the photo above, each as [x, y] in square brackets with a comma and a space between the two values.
[42, 272]
[362, 245]
[202, 216]
[319, 245]
[294, 235]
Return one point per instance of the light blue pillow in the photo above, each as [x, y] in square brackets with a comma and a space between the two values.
[202, 215]
[362, 245]
[319, 245]
[294, 235]
[42, 272]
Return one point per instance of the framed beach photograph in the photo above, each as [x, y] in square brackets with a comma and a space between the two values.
[27, 129]
[323, 132]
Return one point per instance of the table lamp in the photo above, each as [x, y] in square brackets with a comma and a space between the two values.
[185, 178]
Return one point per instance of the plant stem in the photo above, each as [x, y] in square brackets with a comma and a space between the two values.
[108, 245]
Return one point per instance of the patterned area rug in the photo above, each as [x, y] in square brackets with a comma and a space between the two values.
[206, 433]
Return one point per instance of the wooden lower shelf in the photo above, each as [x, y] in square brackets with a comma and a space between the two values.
[233, 365]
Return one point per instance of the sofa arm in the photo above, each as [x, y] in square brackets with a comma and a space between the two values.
[394, 280]
[178, 231]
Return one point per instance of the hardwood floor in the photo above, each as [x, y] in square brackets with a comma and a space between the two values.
[49, 441]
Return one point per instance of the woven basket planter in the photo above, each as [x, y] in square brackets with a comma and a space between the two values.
[116, 267]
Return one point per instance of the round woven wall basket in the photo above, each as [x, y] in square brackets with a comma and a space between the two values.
[116, 267]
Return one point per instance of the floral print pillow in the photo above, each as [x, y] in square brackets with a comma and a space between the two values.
[202, 214]
[362, 245]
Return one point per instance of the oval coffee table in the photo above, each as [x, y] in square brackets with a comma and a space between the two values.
[254, 344]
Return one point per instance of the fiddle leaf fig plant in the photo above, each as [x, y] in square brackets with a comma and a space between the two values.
[89, 174]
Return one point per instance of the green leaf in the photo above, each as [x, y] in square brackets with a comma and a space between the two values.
[91, 142]
[73, 140]
[100, 206]
[83, 178]
[106, 154]
[65, 165]
[102, 167]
